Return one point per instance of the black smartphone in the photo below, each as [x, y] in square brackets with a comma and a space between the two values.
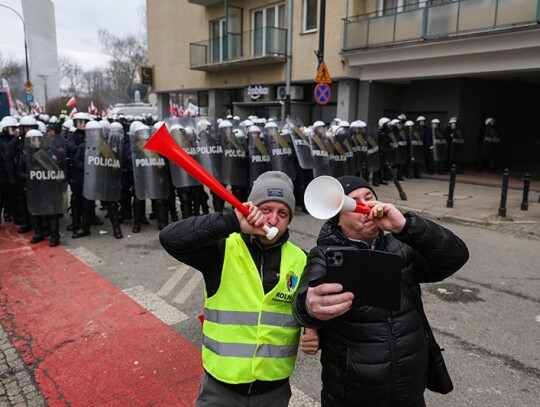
[374, 277]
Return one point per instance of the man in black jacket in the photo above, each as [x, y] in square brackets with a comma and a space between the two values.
[250, 337]
[373, 357]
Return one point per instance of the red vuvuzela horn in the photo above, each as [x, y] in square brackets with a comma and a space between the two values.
[162, 142]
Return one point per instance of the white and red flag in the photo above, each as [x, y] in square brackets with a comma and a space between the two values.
[71, 102]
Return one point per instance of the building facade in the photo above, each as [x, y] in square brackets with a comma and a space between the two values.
[438, 58]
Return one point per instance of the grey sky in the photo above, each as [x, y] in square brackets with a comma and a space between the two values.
[77, 25]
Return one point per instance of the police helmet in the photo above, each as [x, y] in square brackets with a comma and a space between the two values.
[420, 119]
[254, 129]
[383, 121]
[28, 121]
[224, 123]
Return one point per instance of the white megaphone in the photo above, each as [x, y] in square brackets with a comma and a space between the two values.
[325, 198]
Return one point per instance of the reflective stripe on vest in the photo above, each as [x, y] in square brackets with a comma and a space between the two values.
[250, 335]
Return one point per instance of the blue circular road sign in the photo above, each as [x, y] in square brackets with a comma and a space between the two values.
[322, 93]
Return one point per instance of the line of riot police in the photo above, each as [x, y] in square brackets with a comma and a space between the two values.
[105, 162]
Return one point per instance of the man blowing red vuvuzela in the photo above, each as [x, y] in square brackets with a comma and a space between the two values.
[250, 338]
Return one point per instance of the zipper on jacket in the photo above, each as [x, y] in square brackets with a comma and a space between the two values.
[261, 268]
[391, 339]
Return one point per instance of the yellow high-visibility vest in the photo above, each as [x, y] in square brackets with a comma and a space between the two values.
[250, 335]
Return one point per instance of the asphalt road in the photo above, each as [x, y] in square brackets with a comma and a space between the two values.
[487, 316]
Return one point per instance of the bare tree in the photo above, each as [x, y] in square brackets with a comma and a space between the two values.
[71, 76]
[127, 54]
[14, 72]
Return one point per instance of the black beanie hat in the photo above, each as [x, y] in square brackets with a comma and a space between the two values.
[350, 183]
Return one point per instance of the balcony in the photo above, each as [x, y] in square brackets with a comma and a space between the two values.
[263, 46]
[449, 20]
[205, 3]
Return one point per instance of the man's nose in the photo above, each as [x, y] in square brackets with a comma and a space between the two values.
[271, 218]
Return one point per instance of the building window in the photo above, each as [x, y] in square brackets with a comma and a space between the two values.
[389, 6]
[310, 15]
[217, 40]
[410, 5]
[268, 27]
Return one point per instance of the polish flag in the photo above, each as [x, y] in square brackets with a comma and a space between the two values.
[92, 109]
[71, 102]
[73, 111]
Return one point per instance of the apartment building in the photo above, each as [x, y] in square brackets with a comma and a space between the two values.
[439, 58]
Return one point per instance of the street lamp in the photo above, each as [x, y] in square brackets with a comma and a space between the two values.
[28, 83]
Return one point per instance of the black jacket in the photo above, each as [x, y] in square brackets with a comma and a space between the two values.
[200, 243]
[370, 356]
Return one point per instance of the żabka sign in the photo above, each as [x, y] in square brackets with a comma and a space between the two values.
[255, 92]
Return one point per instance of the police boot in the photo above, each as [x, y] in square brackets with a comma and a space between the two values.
[217, 203]
[54, 228]
[86, 218]
[416, 171]
[126, 207]
[112, 209]
[186, 205]
[153, 210]
[161, 213]
[198, 199]
[39, 235]
[136, 217]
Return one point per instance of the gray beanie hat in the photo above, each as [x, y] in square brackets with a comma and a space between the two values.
[273, 186]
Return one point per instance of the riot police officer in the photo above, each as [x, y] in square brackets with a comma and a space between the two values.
[14, 152]
[8, 130]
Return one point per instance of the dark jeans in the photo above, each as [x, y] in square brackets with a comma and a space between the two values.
[213, 394]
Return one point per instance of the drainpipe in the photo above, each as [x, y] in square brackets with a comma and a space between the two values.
[289, 61]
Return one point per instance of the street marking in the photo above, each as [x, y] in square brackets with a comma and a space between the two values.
[152, 303]
[301, 399]
[537, 318]
[188, 289]
[171, 282]
[18, 249]
[86, 256]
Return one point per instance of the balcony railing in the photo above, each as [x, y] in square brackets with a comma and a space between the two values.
[263, 45]
[455, 18]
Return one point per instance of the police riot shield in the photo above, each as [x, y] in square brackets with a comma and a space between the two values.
[102, 164]
[259, 154]
[46, 174]
[300, 143]
[209, 150]
[180, 178]
[359, 148]
[439, 145]
[281, 150]
[417, 144]
[403, 151]
[373, 159]
[391, 154]
[320, 155]
[457, 143]
[340, 154]
[234, 163]
[150, 174]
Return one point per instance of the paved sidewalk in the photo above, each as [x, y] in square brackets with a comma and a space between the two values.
[477, 198]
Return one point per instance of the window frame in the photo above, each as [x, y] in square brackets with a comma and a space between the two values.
[305, 30]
